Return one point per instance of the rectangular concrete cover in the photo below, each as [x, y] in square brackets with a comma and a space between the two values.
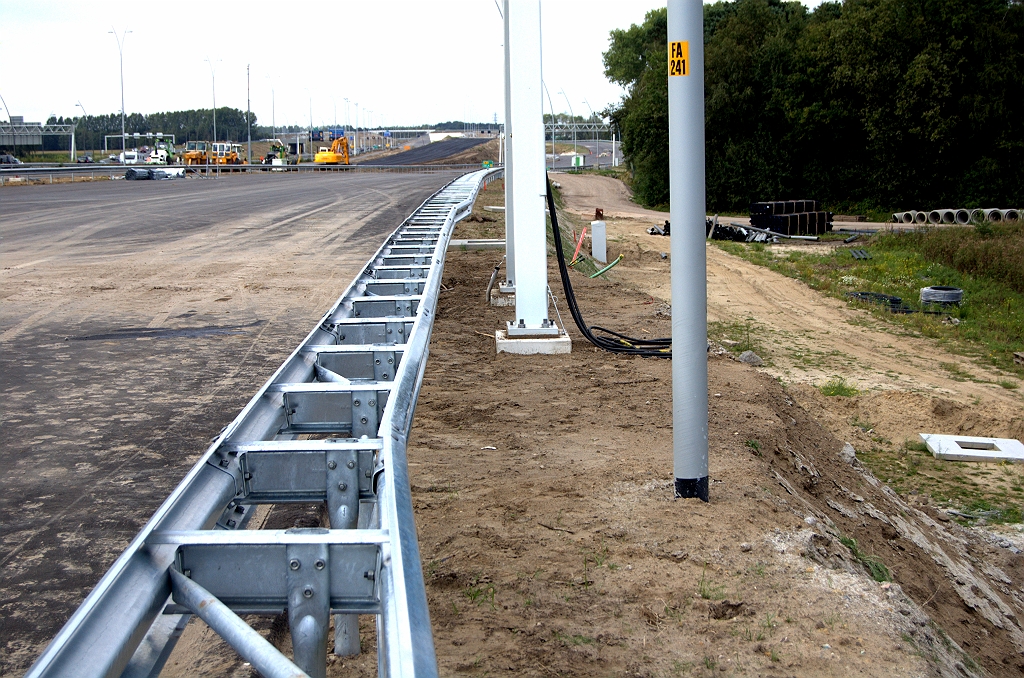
[973, 448]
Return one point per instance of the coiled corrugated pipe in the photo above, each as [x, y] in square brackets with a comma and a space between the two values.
[940, 294]
[993, 215]
[1009, 215]
[962, 217]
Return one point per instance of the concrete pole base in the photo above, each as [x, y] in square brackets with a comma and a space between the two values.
[498, 299]
[532, 346]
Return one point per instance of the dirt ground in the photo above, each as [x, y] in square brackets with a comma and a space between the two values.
[551, 543]
[628, 581]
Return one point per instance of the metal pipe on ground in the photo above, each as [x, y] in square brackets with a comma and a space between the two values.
[252, 647]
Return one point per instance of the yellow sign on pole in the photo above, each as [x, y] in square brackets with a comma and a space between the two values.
[679, 58]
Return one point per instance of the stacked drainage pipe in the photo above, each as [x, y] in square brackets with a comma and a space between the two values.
[958, 216]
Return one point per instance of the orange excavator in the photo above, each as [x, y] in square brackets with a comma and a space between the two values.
[337, 154]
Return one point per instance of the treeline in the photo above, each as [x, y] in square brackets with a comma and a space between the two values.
[865, 105]
[184, 125]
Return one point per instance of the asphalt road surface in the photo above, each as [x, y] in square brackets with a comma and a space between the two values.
[137, 319]
[439, 150]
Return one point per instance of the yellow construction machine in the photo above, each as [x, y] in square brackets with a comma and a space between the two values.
[195, 153]
[337, 154]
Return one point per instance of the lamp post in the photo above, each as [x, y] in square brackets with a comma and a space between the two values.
[357, 127]
[213, 85]
[551, 106]
[273, 122]
[573, 115]
[120, 54]
[597, 135]
[248, 119]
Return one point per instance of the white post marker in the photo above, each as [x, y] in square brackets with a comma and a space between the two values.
[689, 260]
[509, 284]
[531, 331]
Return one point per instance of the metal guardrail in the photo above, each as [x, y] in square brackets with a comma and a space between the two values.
[331, 425]
[37, 172]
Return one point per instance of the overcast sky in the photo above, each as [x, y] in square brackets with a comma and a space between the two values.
[412, 62]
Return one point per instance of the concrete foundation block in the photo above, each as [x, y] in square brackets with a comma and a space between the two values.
[532, 346]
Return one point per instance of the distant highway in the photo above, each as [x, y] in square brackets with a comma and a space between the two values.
[438, 150]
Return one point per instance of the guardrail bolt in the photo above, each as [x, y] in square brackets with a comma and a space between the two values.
[342, 486]
[362, 420]
[332, 464]
[372, 403]
[307, 592]
[294, 564]
[352, 464]
[369, 575]
[356, 403]
[319, 564]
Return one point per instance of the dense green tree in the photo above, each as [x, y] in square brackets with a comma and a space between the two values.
[864, 104]
[185, 125]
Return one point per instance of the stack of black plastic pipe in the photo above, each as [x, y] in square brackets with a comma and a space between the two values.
[791, 217]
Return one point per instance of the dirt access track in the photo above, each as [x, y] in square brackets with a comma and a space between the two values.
[550, 540]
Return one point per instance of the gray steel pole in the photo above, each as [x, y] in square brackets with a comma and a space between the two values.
[689, 262]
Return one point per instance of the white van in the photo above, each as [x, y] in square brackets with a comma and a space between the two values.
[129, 158]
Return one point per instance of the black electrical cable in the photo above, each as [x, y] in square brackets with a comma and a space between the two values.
[614, 342]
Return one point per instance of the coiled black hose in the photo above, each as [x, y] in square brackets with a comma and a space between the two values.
[614, 341]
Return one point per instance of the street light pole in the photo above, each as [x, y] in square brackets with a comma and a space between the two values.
[597, 134]
[552, 107]
[120, 53]
[573, 115]
[248, 118]
[213, 84]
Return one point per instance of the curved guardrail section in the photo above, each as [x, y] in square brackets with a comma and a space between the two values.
[331, 425]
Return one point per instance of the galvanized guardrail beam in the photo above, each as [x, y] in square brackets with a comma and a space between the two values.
[353, 382]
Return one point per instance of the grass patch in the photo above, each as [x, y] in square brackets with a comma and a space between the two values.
[837, 386]
[707, 590]
[874, 565]
[982, 493]
[739, 336]
[986, 265]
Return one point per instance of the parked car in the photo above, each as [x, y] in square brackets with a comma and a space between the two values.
[8, 159]
[84, 158]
